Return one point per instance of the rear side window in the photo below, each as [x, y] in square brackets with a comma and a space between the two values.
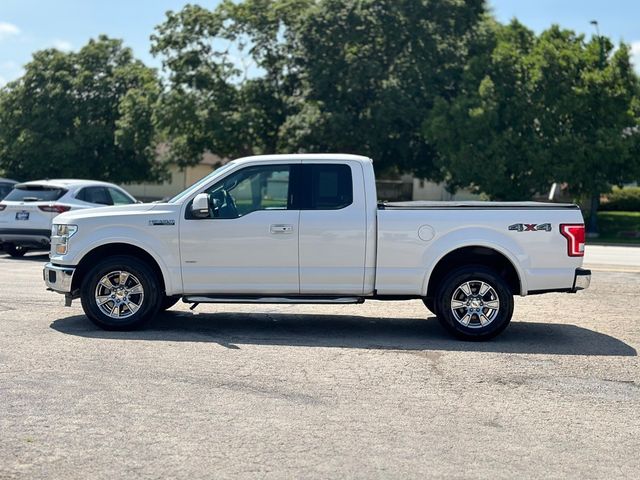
[118, 197]
[324, 187]
[96, 195]
[35, 193]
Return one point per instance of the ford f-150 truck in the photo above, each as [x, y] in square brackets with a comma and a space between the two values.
[309, 229]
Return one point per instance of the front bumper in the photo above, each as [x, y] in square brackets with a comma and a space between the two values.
[581, 280]
[58, 278]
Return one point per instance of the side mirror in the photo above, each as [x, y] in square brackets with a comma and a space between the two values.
[200, 206]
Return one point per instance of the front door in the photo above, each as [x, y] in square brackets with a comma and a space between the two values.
[249, 243]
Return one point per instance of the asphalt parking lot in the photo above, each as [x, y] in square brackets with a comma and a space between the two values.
[370, 391]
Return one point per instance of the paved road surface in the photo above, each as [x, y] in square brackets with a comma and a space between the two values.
[370, 391]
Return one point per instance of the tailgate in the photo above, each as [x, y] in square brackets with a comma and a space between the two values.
[23, 216]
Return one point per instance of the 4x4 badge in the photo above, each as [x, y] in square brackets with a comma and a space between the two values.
[530, 227]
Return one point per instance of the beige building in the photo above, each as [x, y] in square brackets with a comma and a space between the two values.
[178, 181]
[405, 188]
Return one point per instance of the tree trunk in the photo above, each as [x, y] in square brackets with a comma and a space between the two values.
[592, 228]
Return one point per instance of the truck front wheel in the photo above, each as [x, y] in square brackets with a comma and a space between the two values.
[474, 303]
[120, 293]
[167, 302]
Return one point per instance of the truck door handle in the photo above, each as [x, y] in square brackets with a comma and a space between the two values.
[280, 228]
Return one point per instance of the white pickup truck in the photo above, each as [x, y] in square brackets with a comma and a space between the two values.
[309, 229]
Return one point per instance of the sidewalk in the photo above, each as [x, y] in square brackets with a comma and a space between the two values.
[610, 258]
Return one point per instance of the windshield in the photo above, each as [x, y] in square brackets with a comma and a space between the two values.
[201, 182]
[35, 193]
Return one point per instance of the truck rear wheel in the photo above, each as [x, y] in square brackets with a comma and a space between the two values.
[120, 293]
[474, 303]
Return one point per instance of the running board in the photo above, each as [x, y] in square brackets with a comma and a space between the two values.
[236, 299]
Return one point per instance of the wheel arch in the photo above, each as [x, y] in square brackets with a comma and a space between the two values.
[111, 249]
[486, 256]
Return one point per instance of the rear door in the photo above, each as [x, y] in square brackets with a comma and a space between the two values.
[332, 237]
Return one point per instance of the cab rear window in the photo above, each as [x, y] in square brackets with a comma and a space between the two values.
[35, 193]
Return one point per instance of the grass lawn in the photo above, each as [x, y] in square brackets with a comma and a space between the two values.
[615, 227]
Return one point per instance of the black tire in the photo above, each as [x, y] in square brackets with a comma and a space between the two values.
[139, 273]
[167, 302]
[430, 303]
[16, 251]
[493, 321]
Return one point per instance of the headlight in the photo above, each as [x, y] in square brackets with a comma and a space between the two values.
[63, 230]
[60, 235]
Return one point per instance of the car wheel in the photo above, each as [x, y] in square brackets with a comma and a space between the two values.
[474, 303]
[167, 302]
[15, 251]
[120, 293]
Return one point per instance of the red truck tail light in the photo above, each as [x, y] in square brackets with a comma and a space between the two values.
[54, 208]
[574, 233]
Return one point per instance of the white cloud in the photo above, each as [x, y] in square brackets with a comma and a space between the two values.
[62, 45]
[8, 30]
[635, 55]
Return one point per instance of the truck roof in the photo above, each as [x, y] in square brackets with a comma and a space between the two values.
[304, 156]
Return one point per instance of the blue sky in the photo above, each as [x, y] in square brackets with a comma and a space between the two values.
[30, 25]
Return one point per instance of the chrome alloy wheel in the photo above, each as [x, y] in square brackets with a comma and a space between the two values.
[475, 304]
[119, 294]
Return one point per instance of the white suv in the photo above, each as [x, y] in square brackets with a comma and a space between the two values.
[27, 211]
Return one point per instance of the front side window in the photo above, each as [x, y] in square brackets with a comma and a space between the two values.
[249, 190]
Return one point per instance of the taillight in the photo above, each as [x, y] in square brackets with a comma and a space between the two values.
[574, 233]
[54, 208]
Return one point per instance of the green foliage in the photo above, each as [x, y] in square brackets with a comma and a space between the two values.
[87, 114]
[541, 110]
[622, 200]
[369, 70]
[333, 75]
[619, 226]
[435, 87]
[209, 105]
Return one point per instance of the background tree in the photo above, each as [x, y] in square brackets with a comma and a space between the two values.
[87, 114]
[209, 103]
[541, 110]
[330, 75]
